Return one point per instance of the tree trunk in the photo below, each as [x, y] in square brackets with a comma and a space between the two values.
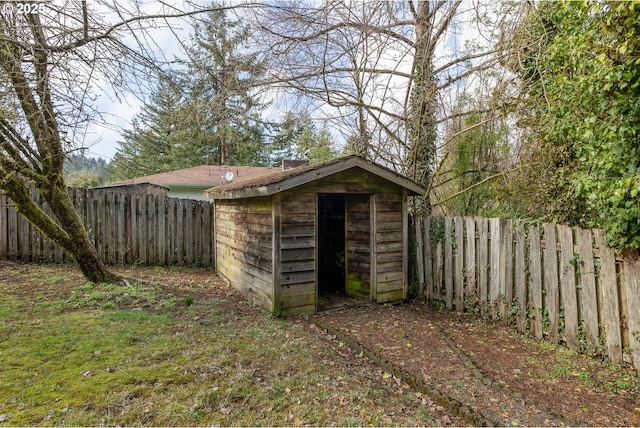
[70, 233]
[78, 244]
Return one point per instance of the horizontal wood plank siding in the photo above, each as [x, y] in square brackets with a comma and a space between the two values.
[244, 247]
[358, 246]
[297, 243]
[389, 237]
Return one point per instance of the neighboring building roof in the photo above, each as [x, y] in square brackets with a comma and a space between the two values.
[285, 180]
[204, 176]
[140, 185]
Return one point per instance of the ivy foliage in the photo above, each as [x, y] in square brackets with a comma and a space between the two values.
[581, 73]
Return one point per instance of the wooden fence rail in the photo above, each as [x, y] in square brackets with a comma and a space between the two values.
[559, 283]
[125, 228]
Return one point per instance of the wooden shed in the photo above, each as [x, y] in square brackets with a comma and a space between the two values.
[285, 239]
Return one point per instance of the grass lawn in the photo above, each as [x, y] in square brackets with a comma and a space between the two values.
[177, 347]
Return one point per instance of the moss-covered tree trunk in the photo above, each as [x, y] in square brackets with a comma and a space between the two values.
[69, 232]
[31, 147]
[422, 115]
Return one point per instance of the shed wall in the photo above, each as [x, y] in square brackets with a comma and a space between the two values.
[358, 246]
[390, 257]
[244, 247]
[266, 247]
[298, 253]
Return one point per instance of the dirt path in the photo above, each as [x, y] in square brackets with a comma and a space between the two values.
[485, 373]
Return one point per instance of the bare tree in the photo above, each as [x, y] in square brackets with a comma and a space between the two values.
[387, 73]
[55, 58]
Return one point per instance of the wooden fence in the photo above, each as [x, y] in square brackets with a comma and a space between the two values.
[559, 283]
[125, 228]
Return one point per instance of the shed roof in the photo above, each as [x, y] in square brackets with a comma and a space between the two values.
[266, 185]
[199, 176]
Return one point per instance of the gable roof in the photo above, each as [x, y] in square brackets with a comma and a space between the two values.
[285, 180]
[203, 176]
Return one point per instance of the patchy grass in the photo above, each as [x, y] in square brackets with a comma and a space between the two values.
[179, 348]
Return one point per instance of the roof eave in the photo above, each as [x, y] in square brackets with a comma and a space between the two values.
[254, 192]
[288, 183]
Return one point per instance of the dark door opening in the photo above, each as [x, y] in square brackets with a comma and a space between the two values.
[331, 244]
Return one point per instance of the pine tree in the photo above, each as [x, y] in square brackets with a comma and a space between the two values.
[206, 113]
[222, 80]
[153, 144]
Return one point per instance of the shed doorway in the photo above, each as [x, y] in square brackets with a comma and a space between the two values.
[343, 250]
[331, 243]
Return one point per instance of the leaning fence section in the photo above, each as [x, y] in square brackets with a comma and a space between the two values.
[125, 228]
[555, 282]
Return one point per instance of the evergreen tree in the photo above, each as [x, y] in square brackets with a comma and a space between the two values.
[298, 138]
[153, 144]
[204, 114]
[221, 78]
[82, 171]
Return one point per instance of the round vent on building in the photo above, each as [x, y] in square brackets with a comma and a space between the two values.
[228, 176]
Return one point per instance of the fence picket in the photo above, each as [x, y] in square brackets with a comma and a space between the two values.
[608, 297]
[588, 296]
[470, 257]
[483, 262]
[448, 262]
[569, 297]
[419, 257]
[551, 300]
[12, 227]
[520, 277]
[535, 281]
[495, 281]
[506, 269]
[124, 228]
[4, 237]
[438, 277]
[161, 237]
[458, 293]
[428, 260]
[632, 285]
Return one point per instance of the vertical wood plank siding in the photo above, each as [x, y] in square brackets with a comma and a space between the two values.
[127, 229]
[556, 282]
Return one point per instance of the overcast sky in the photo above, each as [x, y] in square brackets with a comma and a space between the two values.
[118, 111]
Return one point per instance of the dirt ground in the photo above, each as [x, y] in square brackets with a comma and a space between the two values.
[478, 372]
[488, 374]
